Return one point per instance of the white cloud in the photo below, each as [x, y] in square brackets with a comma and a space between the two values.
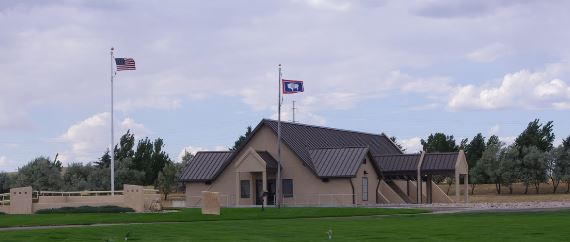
[412, 145]
[494, 130]
[194, 149]
[4, 163]
[508, 140]
[89, 138]
[191, 149]
[488, 53]
[540, 89]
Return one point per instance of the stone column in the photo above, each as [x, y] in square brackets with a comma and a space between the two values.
[457, 181]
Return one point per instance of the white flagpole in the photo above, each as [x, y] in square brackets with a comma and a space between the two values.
[112, 150]
[278, 185]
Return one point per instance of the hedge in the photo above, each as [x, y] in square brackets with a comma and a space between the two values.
[85, 209]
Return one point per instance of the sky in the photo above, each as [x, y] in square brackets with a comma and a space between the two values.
[208, 69]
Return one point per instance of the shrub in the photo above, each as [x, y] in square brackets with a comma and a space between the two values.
[85, 209]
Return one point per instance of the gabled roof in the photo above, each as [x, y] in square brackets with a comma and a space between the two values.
[440, 162]
[398, 164]
[205, 165]
[302, 138]
[337, 162]
[270, 162]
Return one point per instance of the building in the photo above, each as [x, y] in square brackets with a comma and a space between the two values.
[320, 166]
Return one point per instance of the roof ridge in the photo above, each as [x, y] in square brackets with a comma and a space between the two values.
[442, 153]
[329, 128]
[397, 154]
[214, 151]
[342, 147]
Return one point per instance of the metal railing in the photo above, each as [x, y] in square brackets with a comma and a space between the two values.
[196, 201]
[76, 193]
[4, 199]
[320, 199]
[323, 199]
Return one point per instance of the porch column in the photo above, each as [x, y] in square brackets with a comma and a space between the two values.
[466, 181]
[237, 188]
[457, 181]
[429, 190]
[419, 189]
[264, 185]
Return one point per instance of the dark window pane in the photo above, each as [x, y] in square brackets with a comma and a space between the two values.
[365, 189]
[244, 188]
[287, 187]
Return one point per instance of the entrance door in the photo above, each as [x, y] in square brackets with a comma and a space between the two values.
[259, 192]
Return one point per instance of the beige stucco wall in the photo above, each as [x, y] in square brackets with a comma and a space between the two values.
[21, 200]
[133, 197]
[308, 189]
[81, 199]
[372, 183]
[388, 194]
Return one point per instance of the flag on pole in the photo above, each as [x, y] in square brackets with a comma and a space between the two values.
[125, 64]
[292, 86]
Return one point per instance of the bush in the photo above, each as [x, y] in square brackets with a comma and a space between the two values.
[85, 209]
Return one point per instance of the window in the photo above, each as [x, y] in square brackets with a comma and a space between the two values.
[244, 188]
[287, 187]
[365, 189]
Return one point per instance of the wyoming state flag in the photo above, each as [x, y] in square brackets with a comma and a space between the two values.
[292, 86]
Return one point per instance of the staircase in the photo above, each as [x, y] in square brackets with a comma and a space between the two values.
[398, 191]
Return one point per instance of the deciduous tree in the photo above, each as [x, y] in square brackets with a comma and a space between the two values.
[40, 173]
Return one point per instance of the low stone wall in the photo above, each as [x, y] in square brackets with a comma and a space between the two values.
[133, 197]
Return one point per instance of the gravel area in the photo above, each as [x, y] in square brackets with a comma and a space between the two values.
[486, 207]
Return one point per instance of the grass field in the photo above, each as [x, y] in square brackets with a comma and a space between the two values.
[193, 214]
[539, 226]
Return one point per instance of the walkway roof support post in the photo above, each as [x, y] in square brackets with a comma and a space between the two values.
[419, 180]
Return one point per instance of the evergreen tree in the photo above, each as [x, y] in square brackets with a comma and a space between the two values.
[439, 142]
[493, 140]
[473, 153]
[241, 139]
[536, 134]
[394, 140]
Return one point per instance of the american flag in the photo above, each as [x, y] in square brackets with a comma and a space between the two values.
[125, 64]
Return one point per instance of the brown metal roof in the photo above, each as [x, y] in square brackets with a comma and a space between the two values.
[270, 162]
[205, 165]
[337, 162]
[301, 138]
[398, 164]
[439, 162]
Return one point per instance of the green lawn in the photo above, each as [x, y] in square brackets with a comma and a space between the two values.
[194, 214]
[487, 227]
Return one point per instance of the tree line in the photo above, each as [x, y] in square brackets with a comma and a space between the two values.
[531, 160]
[145, 163]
